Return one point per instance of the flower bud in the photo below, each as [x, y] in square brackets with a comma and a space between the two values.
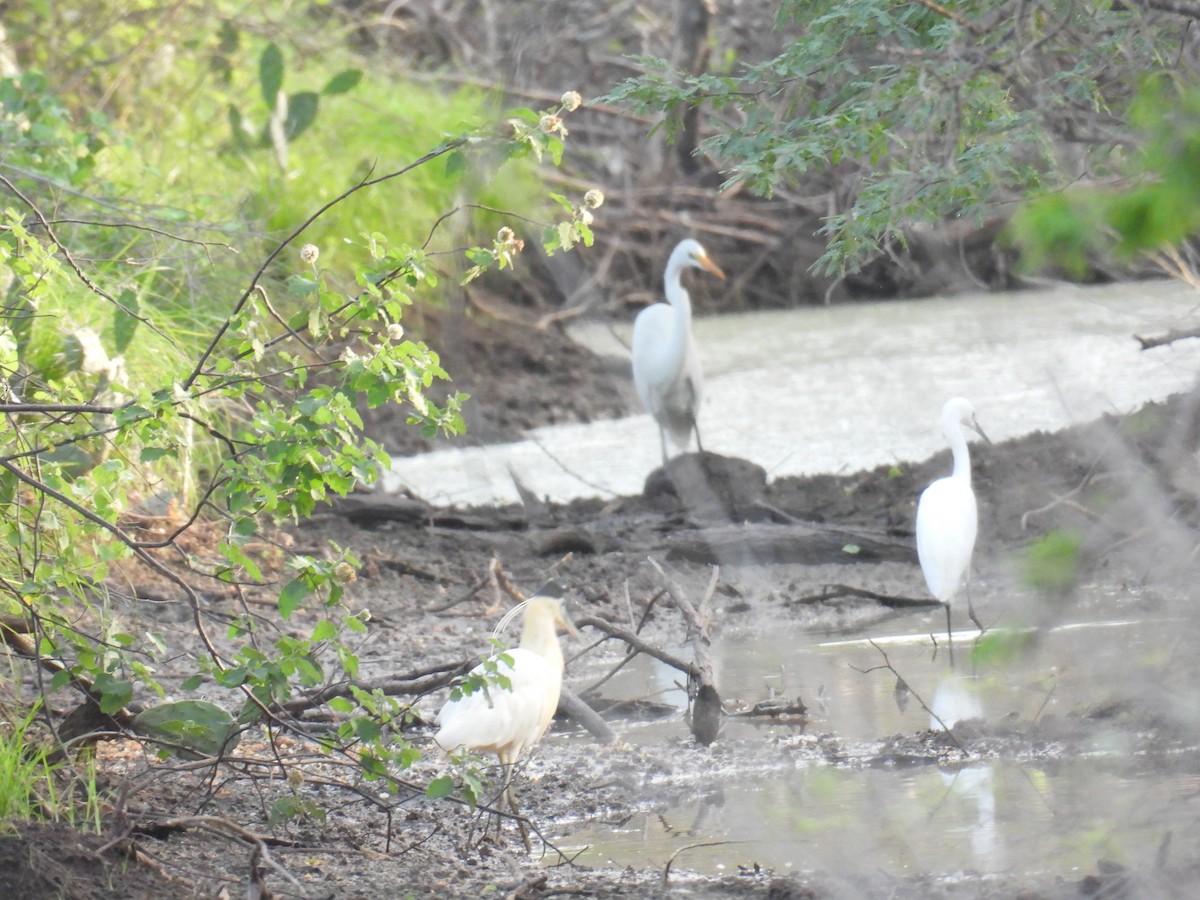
[593, 199]
[309, 253]
[395, 332]
[550, 124]
[571, 101]
[345, 573]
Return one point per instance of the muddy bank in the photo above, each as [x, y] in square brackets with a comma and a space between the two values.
[429, 579]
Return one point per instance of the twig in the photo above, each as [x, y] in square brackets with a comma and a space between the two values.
[887, 664]
[834, 591]
[667, 868]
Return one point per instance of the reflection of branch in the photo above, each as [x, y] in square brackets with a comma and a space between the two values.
[887, 664]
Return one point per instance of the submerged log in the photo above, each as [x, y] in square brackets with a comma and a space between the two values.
[804, 543]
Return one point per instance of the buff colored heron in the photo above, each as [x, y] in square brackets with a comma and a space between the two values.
[947, 517]
[666, 366]
[508, 720]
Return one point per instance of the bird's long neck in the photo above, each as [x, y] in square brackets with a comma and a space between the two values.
[540, 635]
[962, 456]
[678, 297]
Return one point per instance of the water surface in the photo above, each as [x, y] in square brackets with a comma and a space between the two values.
[844, 388]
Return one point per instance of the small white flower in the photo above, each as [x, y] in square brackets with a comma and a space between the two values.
[348, 355]
[593, 199]
[309, 253]
[571, 101]
[395, 332]
[550, 124]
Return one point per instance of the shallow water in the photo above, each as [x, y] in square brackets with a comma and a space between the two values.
[1043, 810]
[845, 388]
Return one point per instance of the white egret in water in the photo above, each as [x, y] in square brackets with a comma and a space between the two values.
[508, 720]
[666, 367]
[946, 516]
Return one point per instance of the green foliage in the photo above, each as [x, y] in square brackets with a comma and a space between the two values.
[925, 112]
[1001, 647]
[1051, 564]
[1158, 210]
[33, 787]
[218, 385]
[197, 726]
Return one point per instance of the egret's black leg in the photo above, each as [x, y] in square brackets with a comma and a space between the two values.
[949, 636]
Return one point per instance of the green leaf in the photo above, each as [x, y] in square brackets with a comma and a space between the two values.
[270, 73]
[440, 787]
[456, 164]
[325, 631]
[302, 112]
[199, 725]
[301, 286]
[124, 322]
[153, 454]
[343, 82]
[1052, 563]
[114, 693]
[292, 596]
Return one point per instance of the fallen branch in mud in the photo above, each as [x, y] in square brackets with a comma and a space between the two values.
[803, 543]
[1162, 340]
[776, 708]
[836, 591]
[639, 645]
[1065, 500]
[702, 689]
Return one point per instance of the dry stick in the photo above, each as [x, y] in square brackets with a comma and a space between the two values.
[558, 462]
[638, 644]
[702, 689]
[887, 664]
[667, 868]
[474, 589]
[1065, 500]
[834, 591]
[217, 823]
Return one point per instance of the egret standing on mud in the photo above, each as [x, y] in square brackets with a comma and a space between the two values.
[947, 518]
[506, 721]
[666, 367]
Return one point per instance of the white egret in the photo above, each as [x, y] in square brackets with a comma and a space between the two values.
[947, 519]
[509, 720]
[666, 367]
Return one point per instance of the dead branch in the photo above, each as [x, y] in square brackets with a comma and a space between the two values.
[902, 684]
[834, 591]
[702, 690]
[1162, 340]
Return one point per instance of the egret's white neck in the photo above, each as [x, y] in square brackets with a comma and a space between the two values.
[678, 297]
[962, 456]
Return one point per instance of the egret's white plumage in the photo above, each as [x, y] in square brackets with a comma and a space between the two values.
[509, 720]
[947, 518]
[666, 366]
